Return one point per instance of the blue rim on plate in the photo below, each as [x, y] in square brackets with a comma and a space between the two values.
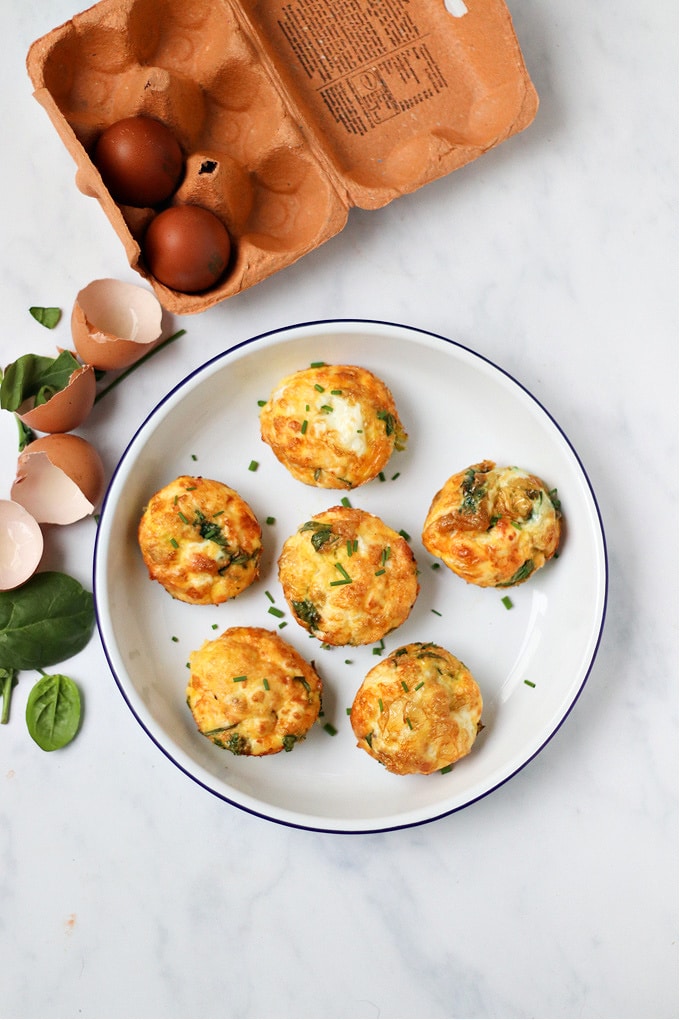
[459, 408]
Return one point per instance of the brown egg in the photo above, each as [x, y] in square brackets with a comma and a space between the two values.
[59, 479]
[66, 409]
[114, 323]
[140, 161]
[187, 248]
[21, 545]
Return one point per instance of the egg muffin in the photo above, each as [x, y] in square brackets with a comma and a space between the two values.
[200, 540]
[332, 426]
[418, 710]
[348, 578]
[493, 526]
[251, 693]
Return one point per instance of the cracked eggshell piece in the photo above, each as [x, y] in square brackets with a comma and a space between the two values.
[67, 409]
[114, 323]
[21, 545]
[59, 480]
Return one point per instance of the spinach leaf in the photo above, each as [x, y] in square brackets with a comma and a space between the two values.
[53, 711]
[47, 317]
[32, 375]
[47, 620]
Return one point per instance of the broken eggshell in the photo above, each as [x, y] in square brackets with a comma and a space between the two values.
[66, 409]
[114, 323]
[21, 544]
[59, 480]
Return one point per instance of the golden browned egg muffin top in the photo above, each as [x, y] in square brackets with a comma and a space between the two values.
[200, 540]
[332, 426]
[251, 693]
[348, 578]
[418, 710]
[493, 526]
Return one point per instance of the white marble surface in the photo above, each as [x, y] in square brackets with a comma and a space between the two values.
[125, 889]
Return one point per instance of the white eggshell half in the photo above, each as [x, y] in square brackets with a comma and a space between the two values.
[21, 545]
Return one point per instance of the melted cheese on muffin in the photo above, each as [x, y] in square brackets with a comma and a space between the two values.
[348, 578]
[418, 710]
[493, 526]
[332, 426]
[200, 540]
[251, 693]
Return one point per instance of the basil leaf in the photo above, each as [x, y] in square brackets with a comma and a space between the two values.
[53, 711]
[48, 317]
[31, 373]
[46, 620]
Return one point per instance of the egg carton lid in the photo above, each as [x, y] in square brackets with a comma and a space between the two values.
[393, 95]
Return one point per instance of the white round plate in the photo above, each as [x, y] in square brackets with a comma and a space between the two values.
[530, 661]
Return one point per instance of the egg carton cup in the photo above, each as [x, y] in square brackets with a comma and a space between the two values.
[288, 113]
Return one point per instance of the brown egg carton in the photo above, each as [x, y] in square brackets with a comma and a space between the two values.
[288, 113]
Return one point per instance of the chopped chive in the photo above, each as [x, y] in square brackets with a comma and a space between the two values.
[395, 476]
[239, 679]
[174, 543]
[271, 520]
[319, 388]
[385, 555]
[408, 722]
[436, 612]
[269, 596]
[339, 566]
[350, 547]
[304, 682]
[175, 638]
[348, 662]
[381, 476]
[174, 502]
[276, 612]
[317, 364]
[379, 572]
[261, 403]
[380, 704]
[418, 686]
[345, 501]
[194, 457]
[336, 393]
[447, 768]
[265, 683]
[436, 566]
[182, 518]
[404, 685]
[348, 711]
[215, 626]
[327, 408]
[283, 624]
[303, 427]
[507, 601]
[253, 466]
[529, 683]
[218, 513]
[405, 535]
[330, 729]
